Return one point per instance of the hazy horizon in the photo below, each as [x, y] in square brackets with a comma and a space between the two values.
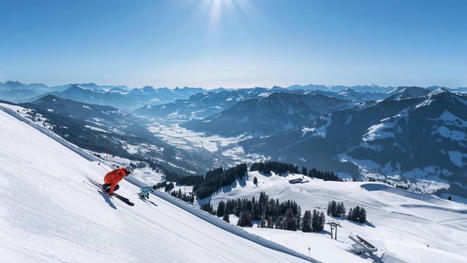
[235, 43]
[266, 87]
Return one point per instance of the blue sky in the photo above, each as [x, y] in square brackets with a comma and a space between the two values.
[234, 43]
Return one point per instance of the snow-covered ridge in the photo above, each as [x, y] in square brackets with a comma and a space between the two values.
[15, 112]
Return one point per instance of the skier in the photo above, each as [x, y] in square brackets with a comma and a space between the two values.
[112, 179]
[145, 191]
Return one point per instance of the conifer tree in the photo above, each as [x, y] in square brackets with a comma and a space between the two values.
[321, 221]
[226, 218]
[245, 219]
[317, 221]
[263, 222]
[340, 209]
[357, 214]
[221, 209]
[208, 208]
[306, 222]
[362, 216]
[290, 222]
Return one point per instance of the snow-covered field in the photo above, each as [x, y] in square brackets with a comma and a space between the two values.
[404, 226]
[49, 213]
[182, 138]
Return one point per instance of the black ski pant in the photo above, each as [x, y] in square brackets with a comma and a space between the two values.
[106, 187]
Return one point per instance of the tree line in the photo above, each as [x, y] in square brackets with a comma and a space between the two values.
[187, 197]
[337, 209]
[276, 167]
[268, 213]
[213, 180]
[216, 179]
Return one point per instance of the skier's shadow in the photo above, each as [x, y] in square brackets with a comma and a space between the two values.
[107, 199]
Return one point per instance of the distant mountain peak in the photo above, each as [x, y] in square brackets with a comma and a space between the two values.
[77, 86]
[13, 83]
[438, 91]
[347, 91]
[47, 98]
[402, 93]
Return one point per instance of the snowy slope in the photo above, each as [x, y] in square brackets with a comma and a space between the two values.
[49, 214]
[404, 226]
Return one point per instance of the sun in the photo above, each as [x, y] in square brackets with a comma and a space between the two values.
[216, 10]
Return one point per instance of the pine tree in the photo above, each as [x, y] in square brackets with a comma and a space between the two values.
[314, 221]
[290, 223]
[255, 181]
[321, 221]
[357, 214]
[332, 208]
[207, 207]
[221, 209]
[277, 222]
[362, 215]
[306, 222]
[340, 209]
[351, 215]
[245, 219]
[270, 222]
[226, 218]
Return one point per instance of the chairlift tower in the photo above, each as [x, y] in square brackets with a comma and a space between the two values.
[334, 226]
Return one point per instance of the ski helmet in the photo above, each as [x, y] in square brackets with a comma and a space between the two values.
[129, 170]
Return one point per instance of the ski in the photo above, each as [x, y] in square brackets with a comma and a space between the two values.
[123, 199]
[119, 197]
[148, 201]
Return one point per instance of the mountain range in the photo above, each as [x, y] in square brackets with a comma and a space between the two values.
[268, 115]
[201, 105]
[419, 140]
[120, 97]
[108, 130]
[407, 135]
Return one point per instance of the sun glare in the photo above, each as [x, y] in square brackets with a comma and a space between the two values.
[217, 9]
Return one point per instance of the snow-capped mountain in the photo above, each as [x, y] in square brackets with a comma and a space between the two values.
[200, 105]
[355, 96]
[120, 96]
[15, 91]
[106, 117]
[402, 93]
[269, 115]
[18, 92]
[127, 99]
[107, 130]
[339, 88]
[417, 141]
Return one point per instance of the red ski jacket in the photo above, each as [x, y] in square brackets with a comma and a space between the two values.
[114, 177]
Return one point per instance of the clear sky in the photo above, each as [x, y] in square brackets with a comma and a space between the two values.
[234, 43]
